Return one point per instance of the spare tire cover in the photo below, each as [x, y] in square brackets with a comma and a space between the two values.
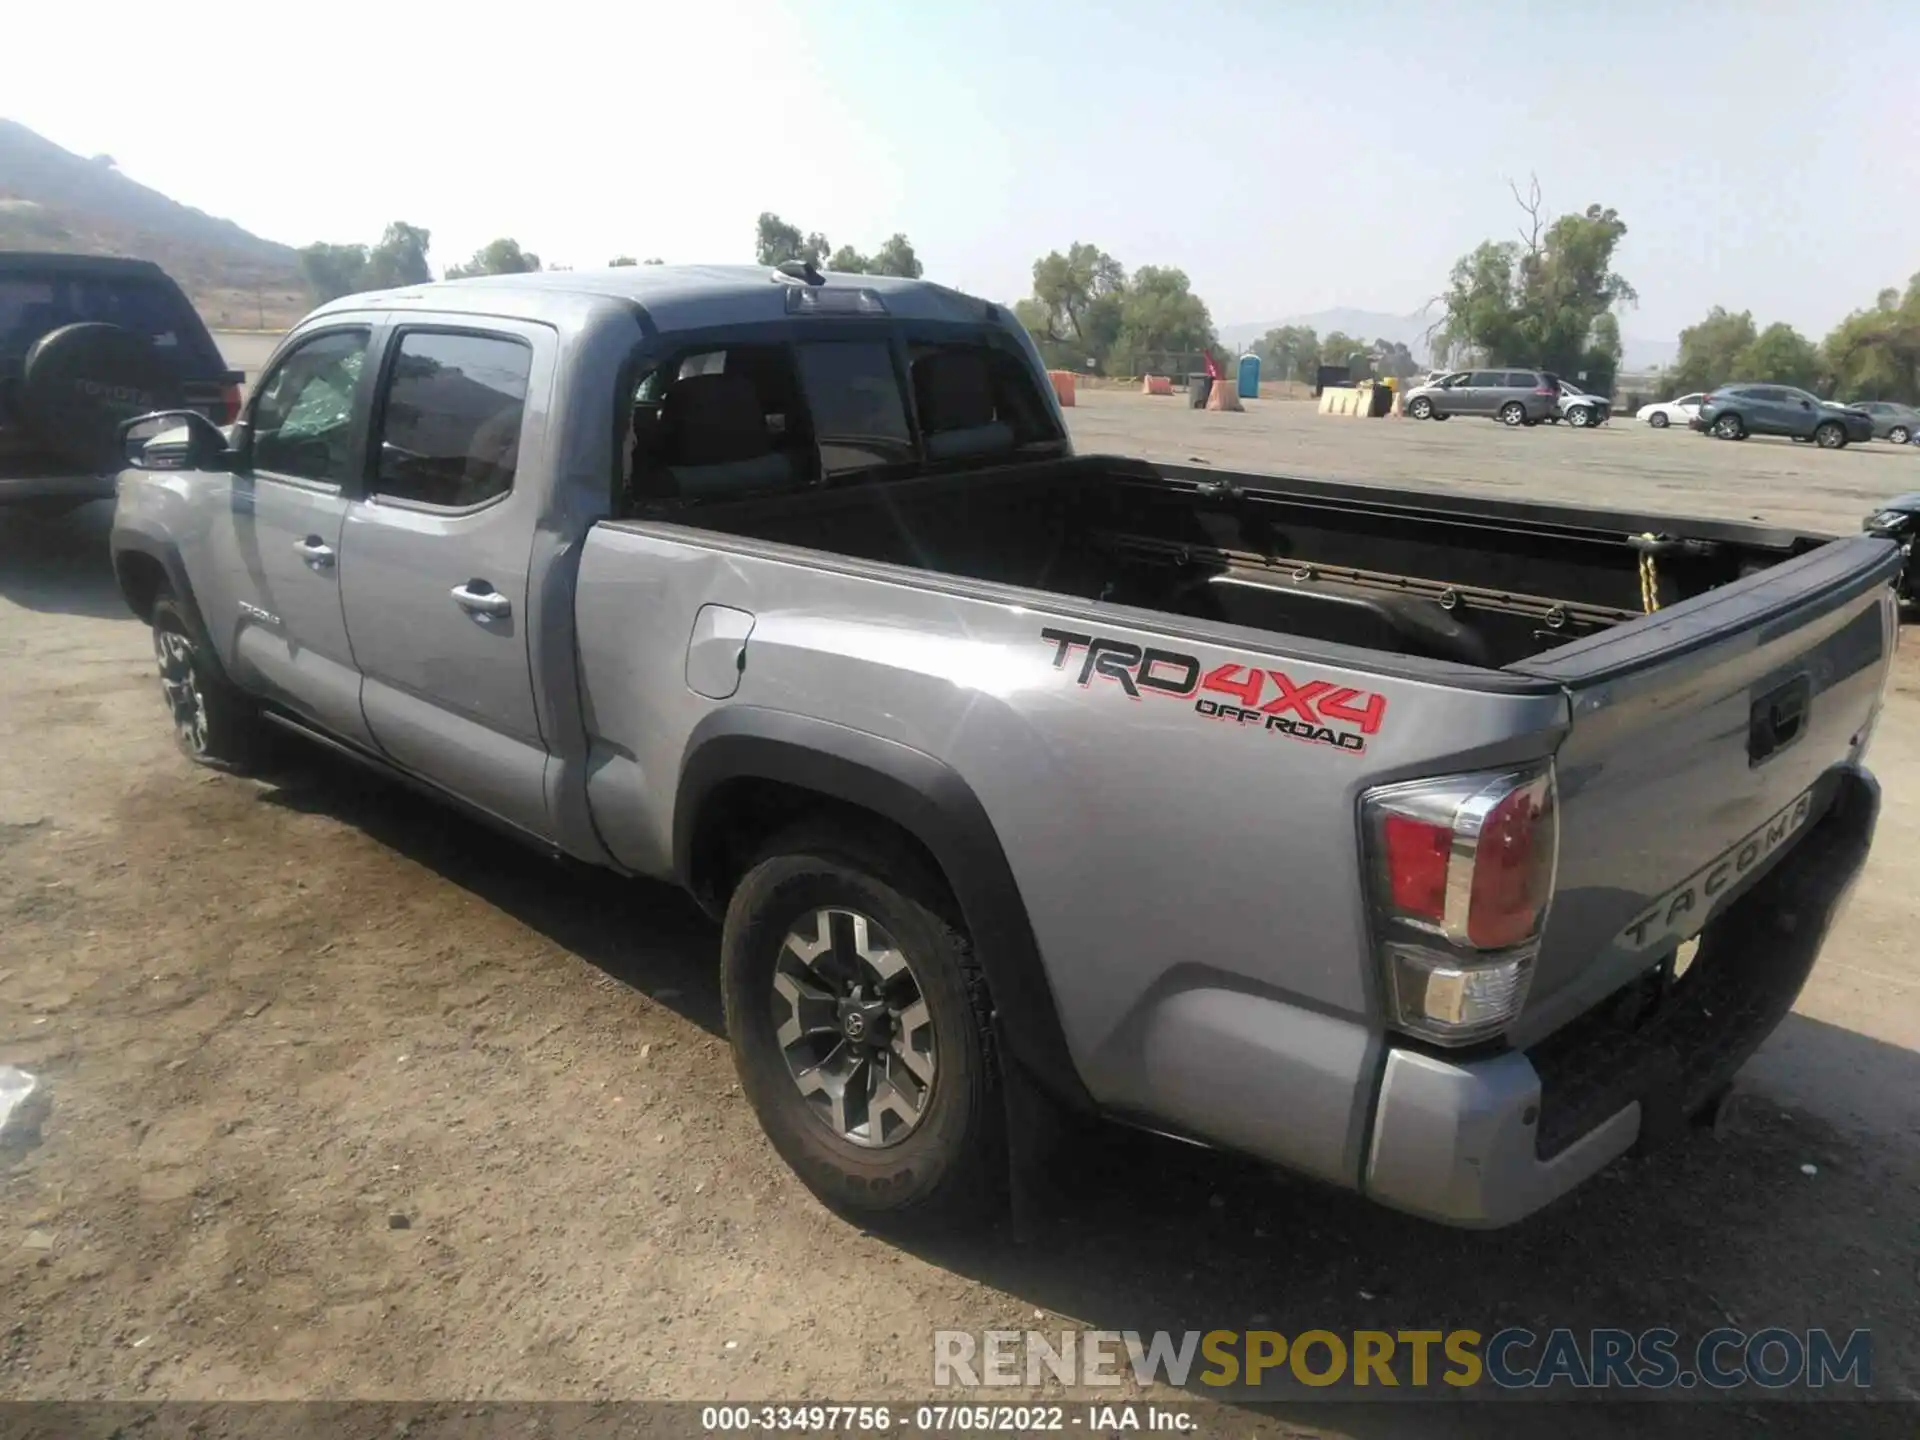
[81, 382]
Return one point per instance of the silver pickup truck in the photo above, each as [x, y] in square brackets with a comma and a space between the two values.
[1439, 848]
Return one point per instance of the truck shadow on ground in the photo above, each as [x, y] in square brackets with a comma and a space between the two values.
[1139, 1233]
[60, 566]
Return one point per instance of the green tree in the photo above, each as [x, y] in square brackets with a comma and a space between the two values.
[1874, 354]
[399, 259]
[334, 270]
[1290, 352]
[1395, 359]
[497, 257]
[1341, 349]
[1709, 351]
[1537, 301]
[1069, 286]
[1782, 355]
[655, 260]
[849, 261]
[775, 242]
[1160, 315]
[895, 257]
[621, 260]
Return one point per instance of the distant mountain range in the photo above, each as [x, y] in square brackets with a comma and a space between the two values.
[1411, 331]
[53, 199]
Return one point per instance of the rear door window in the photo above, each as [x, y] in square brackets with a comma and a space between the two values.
[1522, 380]
[853, 397]
[450, 421]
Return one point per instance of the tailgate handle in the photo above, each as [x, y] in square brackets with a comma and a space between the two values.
[1779, 718]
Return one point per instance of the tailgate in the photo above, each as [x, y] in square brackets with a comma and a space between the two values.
[1703, 745]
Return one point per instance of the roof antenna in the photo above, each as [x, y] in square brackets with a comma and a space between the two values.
[801, 270]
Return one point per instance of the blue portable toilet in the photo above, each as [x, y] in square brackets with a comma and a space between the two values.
[1249, 377]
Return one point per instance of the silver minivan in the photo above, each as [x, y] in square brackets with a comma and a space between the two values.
[1513, 397]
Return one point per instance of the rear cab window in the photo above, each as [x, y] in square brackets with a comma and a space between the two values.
[715, 422]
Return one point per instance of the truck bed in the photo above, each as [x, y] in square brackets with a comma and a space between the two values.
[1472, 582]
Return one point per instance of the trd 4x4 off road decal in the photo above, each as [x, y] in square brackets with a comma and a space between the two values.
[1318, 711]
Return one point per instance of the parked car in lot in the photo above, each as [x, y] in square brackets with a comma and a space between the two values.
[1891, 420]
[1513, 397]
[1580, 408]
[87, 341]
[1662, 413]
[1899, 519]
[1733, 412]
[1202, 800]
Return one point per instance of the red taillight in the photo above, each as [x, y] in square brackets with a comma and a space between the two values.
[229, 404]
[1512, 871]
[1417, 866]
[1546, 390]
[1461, 872]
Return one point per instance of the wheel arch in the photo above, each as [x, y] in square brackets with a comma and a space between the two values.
[143, 567]
[748, 772]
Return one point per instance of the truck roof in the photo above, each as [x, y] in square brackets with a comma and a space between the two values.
[68, 263]
[674, 297]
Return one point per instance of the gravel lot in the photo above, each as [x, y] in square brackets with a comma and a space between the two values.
[350, 1100]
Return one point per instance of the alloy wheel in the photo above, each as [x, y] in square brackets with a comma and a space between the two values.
[180, 683]
[854, 1027]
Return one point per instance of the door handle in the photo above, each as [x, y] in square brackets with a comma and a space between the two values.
[315, 551]
[477, 597]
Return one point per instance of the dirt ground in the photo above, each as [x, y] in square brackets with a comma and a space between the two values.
[351, 1099]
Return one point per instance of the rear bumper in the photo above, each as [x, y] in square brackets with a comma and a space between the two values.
[1483, 1143]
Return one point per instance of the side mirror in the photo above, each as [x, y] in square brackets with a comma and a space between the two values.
[174, 440]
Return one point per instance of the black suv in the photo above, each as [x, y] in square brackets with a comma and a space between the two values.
[87, 341]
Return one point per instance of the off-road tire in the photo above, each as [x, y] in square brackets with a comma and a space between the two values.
[950, 1167]
[214, 723]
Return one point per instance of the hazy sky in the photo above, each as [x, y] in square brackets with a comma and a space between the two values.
[1288, 156]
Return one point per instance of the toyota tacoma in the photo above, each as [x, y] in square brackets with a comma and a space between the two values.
[1441, 848]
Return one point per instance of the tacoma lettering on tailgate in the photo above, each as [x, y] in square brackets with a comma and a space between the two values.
[1317, 711]
[1682, 912]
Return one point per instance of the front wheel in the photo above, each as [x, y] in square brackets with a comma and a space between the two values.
[859, 1023]
[1728, 427]
[1899, 435]
[1830, 435]
[215, 723]
[1513, 414]
[1421, 409]
[1580, 417]
[1658, 421]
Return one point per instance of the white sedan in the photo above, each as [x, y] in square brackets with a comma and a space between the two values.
[1670, 412]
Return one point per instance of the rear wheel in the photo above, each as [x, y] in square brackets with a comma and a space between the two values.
[1830, 435]
[1421, 408]
[1658, 420]
[1729, 427]
[859, 1023]
[1513, 414]
[215, 723]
